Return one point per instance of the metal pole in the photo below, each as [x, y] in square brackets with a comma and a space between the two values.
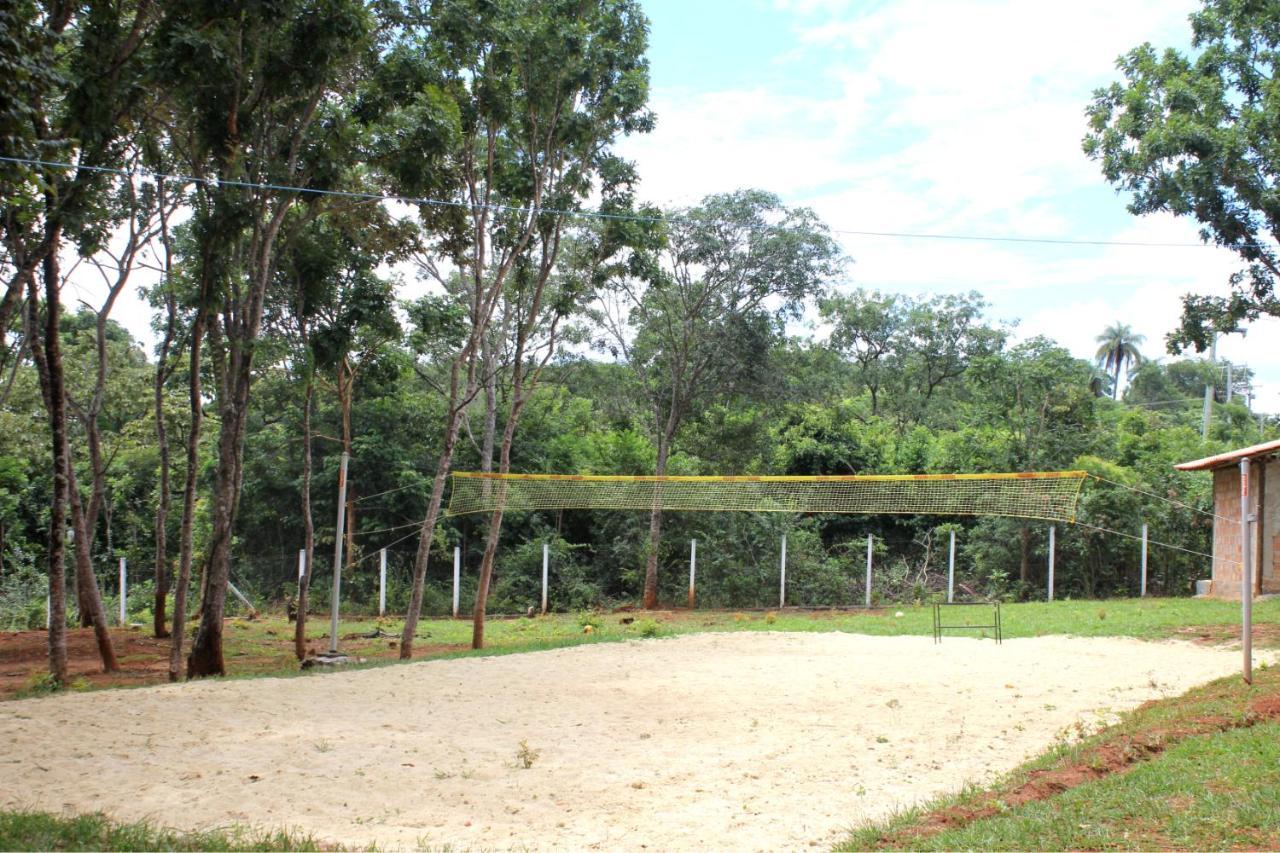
[951, 570]
[869, 539]
[1229, 381]
[124, 588]
[1208, 393]
[1246, 572]
[382, 582]
[693, 571]
[782, 583]
[1142, 586]
[457, 574]
[545, 560]
[337, 555]
[1053, 543]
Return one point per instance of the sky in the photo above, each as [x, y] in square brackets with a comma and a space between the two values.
[919, 116]
[926, 116]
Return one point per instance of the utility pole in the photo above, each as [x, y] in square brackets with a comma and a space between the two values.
[337, 555]
[1230, 381]
[1208, 392]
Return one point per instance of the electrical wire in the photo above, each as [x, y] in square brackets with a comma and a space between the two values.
[1153, 542]
[388, 492]
[1161, 498]
[581, 214]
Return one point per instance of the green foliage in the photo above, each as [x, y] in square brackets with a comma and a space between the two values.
[1195, 135]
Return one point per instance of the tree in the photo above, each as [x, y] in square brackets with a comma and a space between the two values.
[542, 90]
[261, 95]
[696, 318]
[1118, 347]
[1196, 135]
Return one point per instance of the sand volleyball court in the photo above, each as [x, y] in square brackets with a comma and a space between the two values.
[743, 741]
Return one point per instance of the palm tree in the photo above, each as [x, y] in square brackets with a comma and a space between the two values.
[1118, 346]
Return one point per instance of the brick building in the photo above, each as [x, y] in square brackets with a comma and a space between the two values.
[1264, 488]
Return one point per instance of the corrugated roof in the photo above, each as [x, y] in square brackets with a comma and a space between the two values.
[1231, 457]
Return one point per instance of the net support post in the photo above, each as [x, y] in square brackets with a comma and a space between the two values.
[693, 572]
[457, 574]
[870, 539]
[546, 557]
[336, 595]
[1053, 547]
[782, 575]
[951, 570]
[1142, 575]
[1246, 572]
[382, 582]
[124, 589]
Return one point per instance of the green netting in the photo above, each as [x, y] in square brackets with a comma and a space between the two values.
[1051, 496]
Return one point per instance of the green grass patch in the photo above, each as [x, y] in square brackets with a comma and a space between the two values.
[1199, 771]
[32, 830]
[1210, 792]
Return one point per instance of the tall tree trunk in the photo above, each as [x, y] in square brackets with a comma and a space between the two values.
[185, 534]
[308, 523]
[206, 656]
[346, 388]
[159, 621]
[85, 577]
[46, 355]
[452, 425]
[655, 527]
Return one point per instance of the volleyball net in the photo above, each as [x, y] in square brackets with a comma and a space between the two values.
[1047, 496]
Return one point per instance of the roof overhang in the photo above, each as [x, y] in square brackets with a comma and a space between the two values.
[1232, 457]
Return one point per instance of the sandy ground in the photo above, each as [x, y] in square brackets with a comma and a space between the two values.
[743, 741]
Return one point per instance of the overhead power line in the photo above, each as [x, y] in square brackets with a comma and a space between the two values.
[580, 214]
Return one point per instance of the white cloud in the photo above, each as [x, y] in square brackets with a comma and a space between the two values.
[957, 118]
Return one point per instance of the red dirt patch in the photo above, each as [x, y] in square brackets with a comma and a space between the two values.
[24, 657]
[1264, 634]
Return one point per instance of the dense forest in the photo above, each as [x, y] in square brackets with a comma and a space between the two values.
[397, 233]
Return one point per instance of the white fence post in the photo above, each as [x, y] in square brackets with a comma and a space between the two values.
[382, 582]
[869, 539]
[1142, 583]
[1053, 535]
[951, 570]
[124, 589]
[457, 572]
[545, 560]
[782, 577]
[693, 571]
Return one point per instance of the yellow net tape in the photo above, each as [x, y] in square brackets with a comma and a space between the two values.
[1051, 496]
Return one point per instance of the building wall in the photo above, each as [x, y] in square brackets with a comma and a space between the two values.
[1226, 533]
[1226, 530]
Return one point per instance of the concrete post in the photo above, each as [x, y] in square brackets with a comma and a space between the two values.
[693, 571]
[870, 538]
[951, 570]
[782, 582]
[336, 593]
[1053, 537]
